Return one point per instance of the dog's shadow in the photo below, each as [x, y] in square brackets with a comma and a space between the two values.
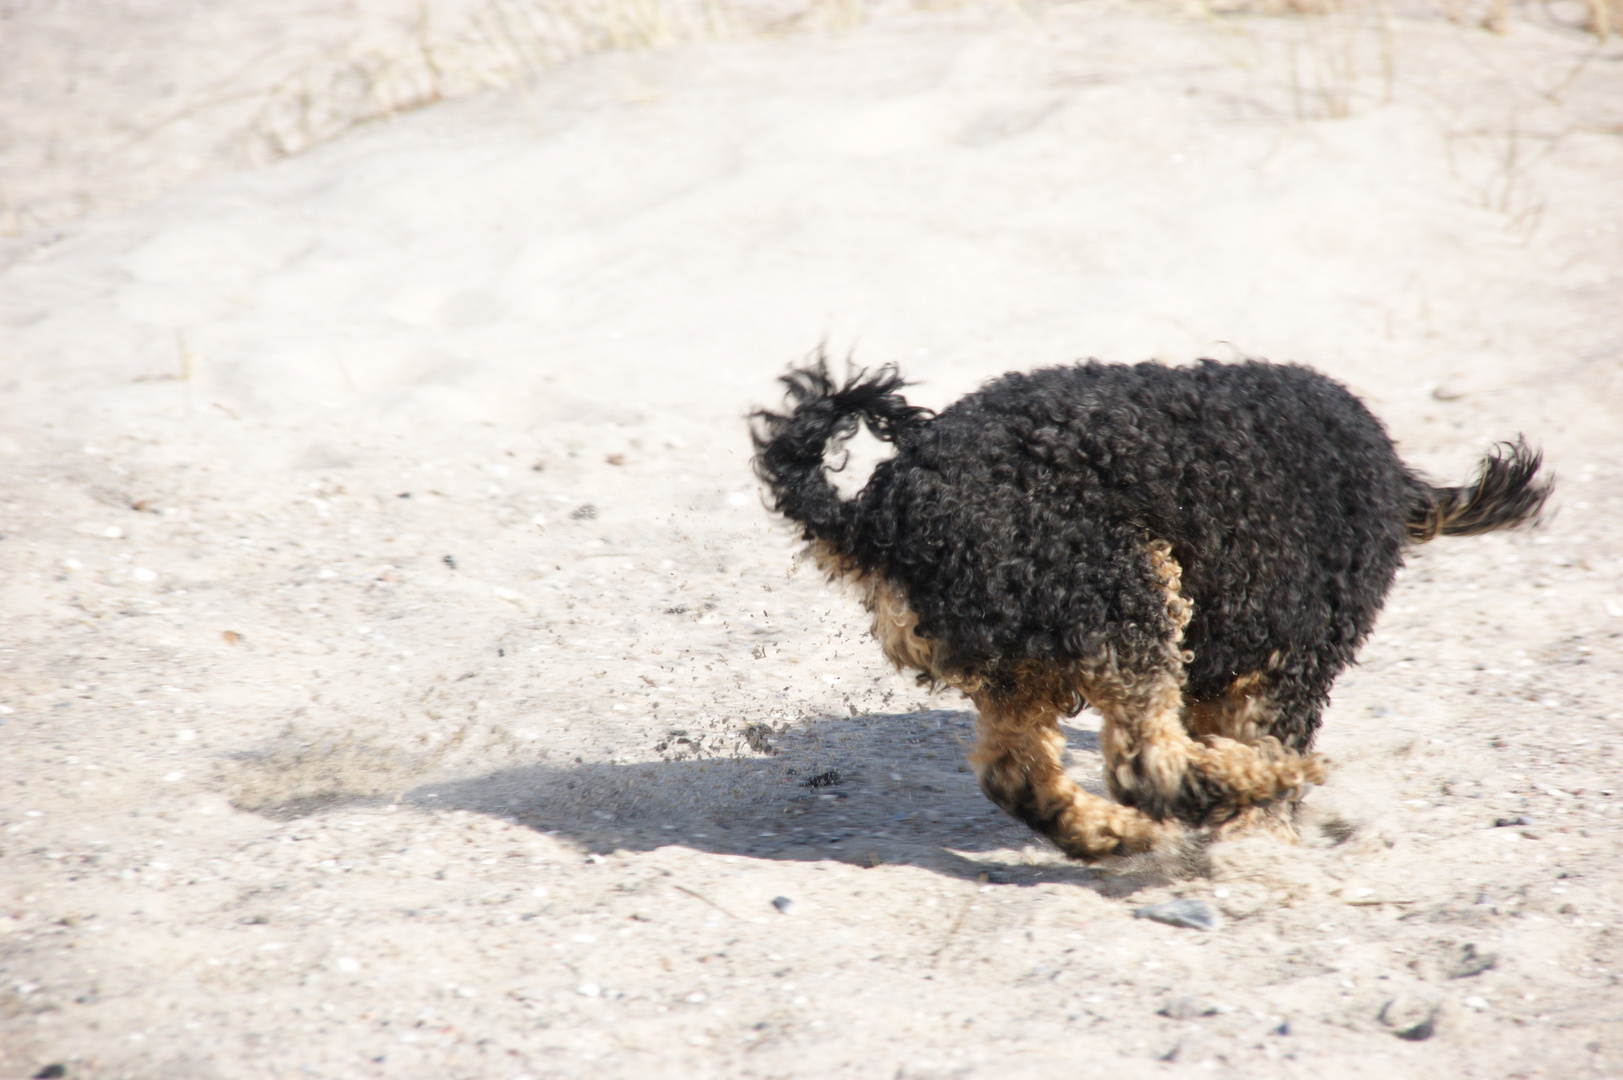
[869, 790]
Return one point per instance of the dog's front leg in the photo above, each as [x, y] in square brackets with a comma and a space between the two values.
[1019, 760]
[1244, 714]
[1152, 763]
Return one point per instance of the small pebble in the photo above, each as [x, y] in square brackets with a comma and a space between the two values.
[1186, 1008]
[1421, 1031]
[783, 904]
[1472, 963]
[1506, 822]
[589, 990]
[1190, 914]
[1415, 1020]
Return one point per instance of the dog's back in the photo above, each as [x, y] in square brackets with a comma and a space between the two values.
[1280, 495]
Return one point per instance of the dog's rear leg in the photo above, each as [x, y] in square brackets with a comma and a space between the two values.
[1018, 758]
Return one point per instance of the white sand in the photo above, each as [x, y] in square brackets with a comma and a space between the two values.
[286, 794]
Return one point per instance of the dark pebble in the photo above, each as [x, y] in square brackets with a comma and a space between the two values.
[1472, 963]
[1421, 1031]
[1393, 1013]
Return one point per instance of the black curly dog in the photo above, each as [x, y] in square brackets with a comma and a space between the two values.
[1196, 552]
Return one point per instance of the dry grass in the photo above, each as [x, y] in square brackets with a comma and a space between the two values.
[1606, 17]
[1603, 18]
[81, 133]
[499, 43]
[1342, 51]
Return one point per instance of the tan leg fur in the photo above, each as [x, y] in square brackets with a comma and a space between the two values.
[1152, 764]
[1245, 715]
[1019, 761]
[1151, 760]
[1019, 755]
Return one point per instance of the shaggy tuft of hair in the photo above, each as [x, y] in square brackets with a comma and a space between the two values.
[790, 447]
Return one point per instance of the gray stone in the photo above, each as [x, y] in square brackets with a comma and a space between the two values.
[1190, 914]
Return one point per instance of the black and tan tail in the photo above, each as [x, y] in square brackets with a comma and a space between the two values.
[790, 447]
[1508, 491]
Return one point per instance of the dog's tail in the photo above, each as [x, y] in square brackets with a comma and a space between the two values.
[1507, 492]
[790, 447]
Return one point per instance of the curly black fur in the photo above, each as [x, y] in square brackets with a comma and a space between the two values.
[1016, 520]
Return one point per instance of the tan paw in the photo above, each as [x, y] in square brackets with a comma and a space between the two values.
[1258, 821]
[1090, 831]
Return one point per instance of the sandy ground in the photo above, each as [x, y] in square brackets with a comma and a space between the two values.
[402, 678]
